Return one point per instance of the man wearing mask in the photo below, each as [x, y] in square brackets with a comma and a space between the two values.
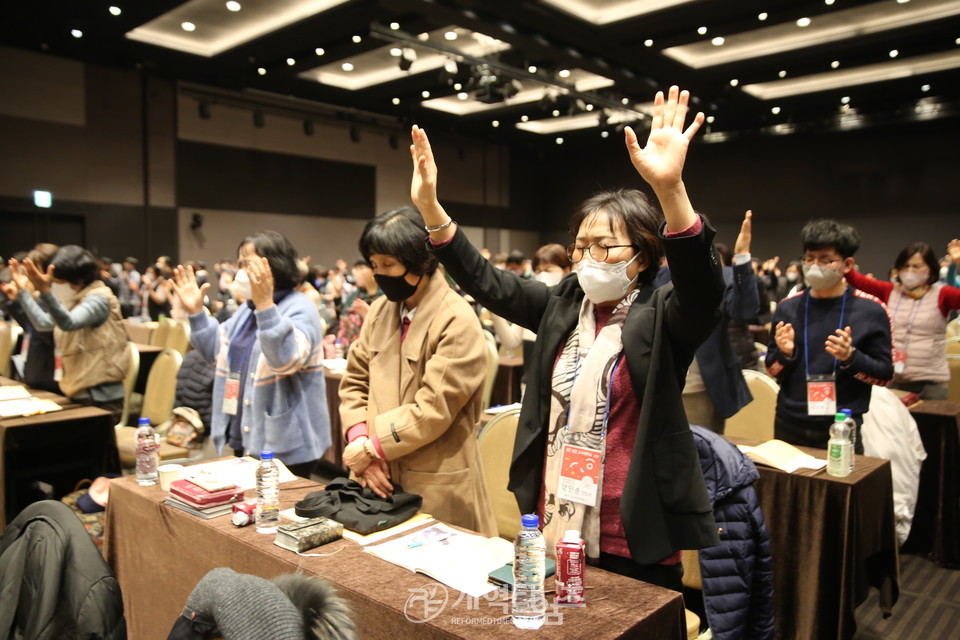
[831, 341]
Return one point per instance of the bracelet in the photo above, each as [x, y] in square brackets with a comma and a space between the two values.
[440, 227]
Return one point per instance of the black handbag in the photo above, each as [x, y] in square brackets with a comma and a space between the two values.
[359, 509]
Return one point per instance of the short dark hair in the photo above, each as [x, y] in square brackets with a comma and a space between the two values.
[830, 234]
[639, 217]
[41, 254]
[399, 233]
[725, 256]
[76, 265]
[280, 254]
[926, 253]
[131, 260]
[554, 253]
[515, 257]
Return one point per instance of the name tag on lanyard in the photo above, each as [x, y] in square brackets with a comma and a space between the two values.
[57, 364]
[821, 395]
[579, 474]
[899, 360]
[231, 394]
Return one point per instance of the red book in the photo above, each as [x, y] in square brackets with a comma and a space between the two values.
[200, 497]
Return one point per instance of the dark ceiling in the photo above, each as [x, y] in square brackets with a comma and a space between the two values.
[539, 34]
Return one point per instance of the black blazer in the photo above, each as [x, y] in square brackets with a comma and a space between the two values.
[665, 506]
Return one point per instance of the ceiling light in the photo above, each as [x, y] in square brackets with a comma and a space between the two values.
[423, 36]
[450, 66]
[902, 1]
[894, 53]
[396, 52]
[347, 66]
[463, 95]
[319, 51]
[457, 86]
[711, 119]
[495, 124]
[803, 22]
[835, 64]
[395, 101]
[524, 118]
[531, 69]
[604, 134]
[425, 94]
[718, 41]
[395, 25]
[624, 101]
[734, 82]
[783, 73]
[564, 73]
[775, 111]
[450, 35]
[762, 16]
[845, 100]
[261, 71]
[555, 113]
[828, 2]
[76, 33]
[702, 31]
[649, 43]
[356, 39]
[291, 62]
[925, 88]
[114, 11]
[601, 13]
[559, 140]
[589, 107]
[233, 6]
[188, 26]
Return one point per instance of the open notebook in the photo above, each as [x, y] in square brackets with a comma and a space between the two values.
[455, 558]
[783, 456]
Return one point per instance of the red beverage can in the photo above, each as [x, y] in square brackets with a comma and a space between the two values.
[570, 566]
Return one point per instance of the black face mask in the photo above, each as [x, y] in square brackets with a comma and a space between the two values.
[396, 288]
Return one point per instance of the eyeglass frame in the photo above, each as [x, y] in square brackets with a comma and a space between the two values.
[820, 261]
[588, 250]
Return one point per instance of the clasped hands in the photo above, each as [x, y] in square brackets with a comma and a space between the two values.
[839, 345]
[371, 470]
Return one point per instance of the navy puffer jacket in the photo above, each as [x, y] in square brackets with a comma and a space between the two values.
[195, 386]
[737, 573]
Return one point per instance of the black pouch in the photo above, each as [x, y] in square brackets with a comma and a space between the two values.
[358, 509]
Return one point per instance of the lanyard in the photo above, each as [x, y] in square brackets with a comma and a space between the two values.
[606, 409]
[806, 336]
[916, 305]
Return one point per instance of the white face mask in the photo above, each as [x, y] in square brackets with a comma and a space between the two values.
[792, 276]
[550, 278]
[64, 293]
[913, 279]
[241, 285]
[821, 277]
[943, 272]
[602, 281]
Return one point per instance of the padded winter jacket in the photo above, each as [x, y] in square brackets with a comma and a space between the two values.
[737, 573]
[53, 581]
[195, 386]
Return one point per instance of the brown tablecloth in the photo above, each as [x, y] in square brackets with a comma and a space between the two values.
[159, 554]
[61, 448]
[936, 522]
[832, 539]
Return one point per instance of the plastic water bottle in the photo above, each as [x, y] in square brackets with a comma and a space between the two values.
[268, 494]
[852, 426]
[147, 448]
[529, 606]
[839, 448]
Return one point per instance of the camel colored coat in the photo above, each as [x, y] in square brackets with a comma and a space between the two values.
[421, 400]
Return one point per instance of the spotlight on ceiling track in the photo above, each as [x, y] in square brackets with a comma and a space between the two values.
[308, 127]
[258, 119]
[354, 134]
[407, 57]
[203, 109]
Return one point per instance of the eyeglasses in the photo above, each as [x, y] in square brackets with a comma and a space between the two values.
[823, 261]
[598, 250]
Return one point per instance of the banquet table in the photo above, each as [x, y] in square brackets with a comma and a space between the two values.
[832, 539]
[59, 447]
[160, 553]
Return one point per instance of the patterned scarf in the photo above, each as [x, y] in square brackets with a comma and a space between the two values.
[579, 401]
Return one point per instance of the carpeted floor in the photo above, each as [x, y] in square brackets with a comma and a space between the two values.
[928, 608]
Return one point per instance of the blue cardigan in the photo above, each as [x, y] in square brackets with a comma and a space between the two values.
[285, 400]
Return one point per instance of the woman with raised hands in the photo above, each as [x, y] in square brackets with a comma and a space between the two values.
[610, 358]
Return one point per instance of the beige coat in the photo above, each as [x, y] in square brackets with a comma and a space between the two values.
[94, 355]
[421, 398]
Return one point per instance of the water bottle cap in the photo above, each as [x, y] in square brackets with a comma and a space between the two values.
[266, 455]
[840, 417]
[847, 412]
[571, 535]
[143, 422]
[530, 521]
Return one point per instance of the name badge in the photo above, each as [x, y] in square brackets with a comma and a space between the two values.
[821, 395]
[231, 394]
[25, 343]
[57, 365]
[579, 475]
[899, 360]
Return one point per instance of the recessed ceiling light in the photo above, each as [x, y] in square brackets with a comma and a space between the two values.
[604, 134]
[835, 64]
[711, 119]
[396, 52]
[894, 53]
[925, 88]
[734, 82]
[902, 1]
[356, 39]
[649, 43]
[463, 95]
[423, 36]
[803, 22]
[114, 11]
[395, 101]
[555, 113]
[828, 2]
[188, 26]
[957, 41]
[702, 31]
[233, 6]
[532, 69]
[783, 73]
[76, 33]
[718, 41]
[762, 16]
[261, 71]
[347, 66]
[589, 107]
[775, 110]
[625, 101]
[495, 124]
[394, 25]
[845, 100]
[559, 141]
[319, 51]
[291, 62]
[450, 35]
[524, 118]
[564, 73]
[425, 94]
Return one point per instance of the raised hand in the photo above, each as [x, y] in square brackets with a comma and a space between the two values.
[40, 280]
[785, 338]
[423, 185]
[953, 250]
[661, 161]
[17, 277]
[746, 234]
[184, 283]
[840, 346]
[9, 289]
[261, 282]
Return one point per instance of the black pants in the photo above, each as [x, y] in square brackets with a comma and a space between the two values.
[811, 434]
[668, 576]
